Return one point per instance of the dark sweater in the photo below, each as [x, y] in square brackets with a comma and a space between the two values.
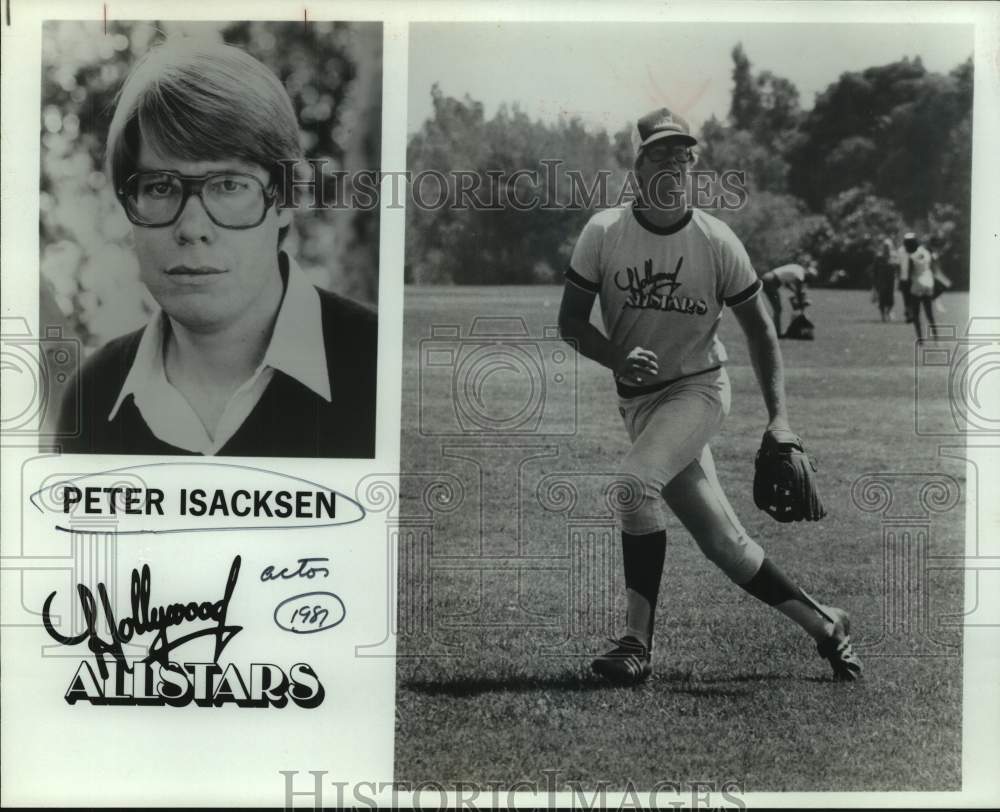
[290, 420]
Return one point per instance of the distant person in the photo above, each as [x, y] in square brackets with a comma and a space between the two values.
[919, 273]
[883, 275]
[243, 355]
[941, 281]
[903, 279]
[793, 278]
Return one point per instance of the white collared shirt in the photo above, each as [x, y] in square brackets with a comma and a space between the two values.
[296, 349]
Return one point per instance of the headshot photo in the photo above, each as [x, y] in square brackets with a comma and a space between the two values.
[224, 303]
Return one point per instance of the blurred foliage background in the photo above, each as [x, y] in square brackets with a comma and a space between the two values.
[883, 151]
[90, 278]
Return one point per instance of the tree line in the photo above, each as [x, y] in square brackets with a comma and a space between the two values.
[882, 151]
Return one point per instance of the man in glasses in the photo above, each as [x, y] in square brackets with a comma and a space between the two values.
[243, 356]
[663, 273]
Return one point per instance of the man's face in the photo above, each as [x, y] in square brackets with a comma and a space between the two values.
[661, 170]
[203, 275]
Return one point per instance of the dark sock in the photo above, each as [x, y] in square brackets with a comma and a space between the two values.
[643, 559]
[772, 586]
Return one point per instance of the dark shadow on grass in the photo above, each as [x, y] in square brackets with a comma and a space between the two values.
[576, 682]
[474, 686]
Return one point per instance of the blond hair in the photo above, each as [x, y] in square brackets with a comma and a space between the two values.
[201, 101]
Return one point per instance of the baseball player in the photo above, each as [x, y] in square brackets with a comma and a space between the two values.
[916, 269]
[663, 273]
[883, 274]
[793, 277]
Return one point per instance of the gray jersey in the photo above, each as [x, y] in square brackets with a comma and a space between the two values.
[664, 289]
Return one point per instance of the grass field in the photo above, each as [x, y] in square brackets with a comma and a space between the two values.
[495, 641]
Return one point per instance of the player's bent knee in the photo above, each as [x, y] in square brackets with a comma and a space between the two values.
[644, 518]
[642, 514]
[641, 526]
[638, 504]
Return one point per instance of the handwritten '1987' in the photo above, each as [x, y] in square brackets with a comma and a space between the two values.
[310, 612]
[315, 615]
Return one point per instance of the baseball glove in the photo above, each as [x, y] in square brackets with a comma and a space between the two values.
[784, 482]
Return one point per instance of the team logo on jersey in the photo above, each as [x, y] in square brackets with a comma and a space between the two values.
[650, 291]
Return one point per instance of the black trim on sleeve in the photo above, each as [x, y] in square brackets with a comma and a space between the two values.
[655, 229]
[580, 282]
[745, 294]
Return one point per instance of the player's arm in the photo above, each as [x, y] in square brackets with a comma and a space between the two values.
[762, 342]
[576, 329]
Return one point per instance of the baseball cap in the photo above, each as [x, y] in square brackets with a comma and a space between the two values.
[909, 235]
[660, 124]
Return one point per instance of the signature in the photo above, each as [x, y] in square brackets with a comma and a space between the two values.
[146, 619]
[649, 283]
[305, 570]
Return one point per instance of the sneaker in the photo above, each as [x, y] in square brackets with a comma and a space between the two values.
[837, 650]
[628, 663]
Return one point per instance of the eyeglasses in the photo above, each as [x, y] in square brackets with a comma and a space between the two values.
[230, 199]
[663, 153]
